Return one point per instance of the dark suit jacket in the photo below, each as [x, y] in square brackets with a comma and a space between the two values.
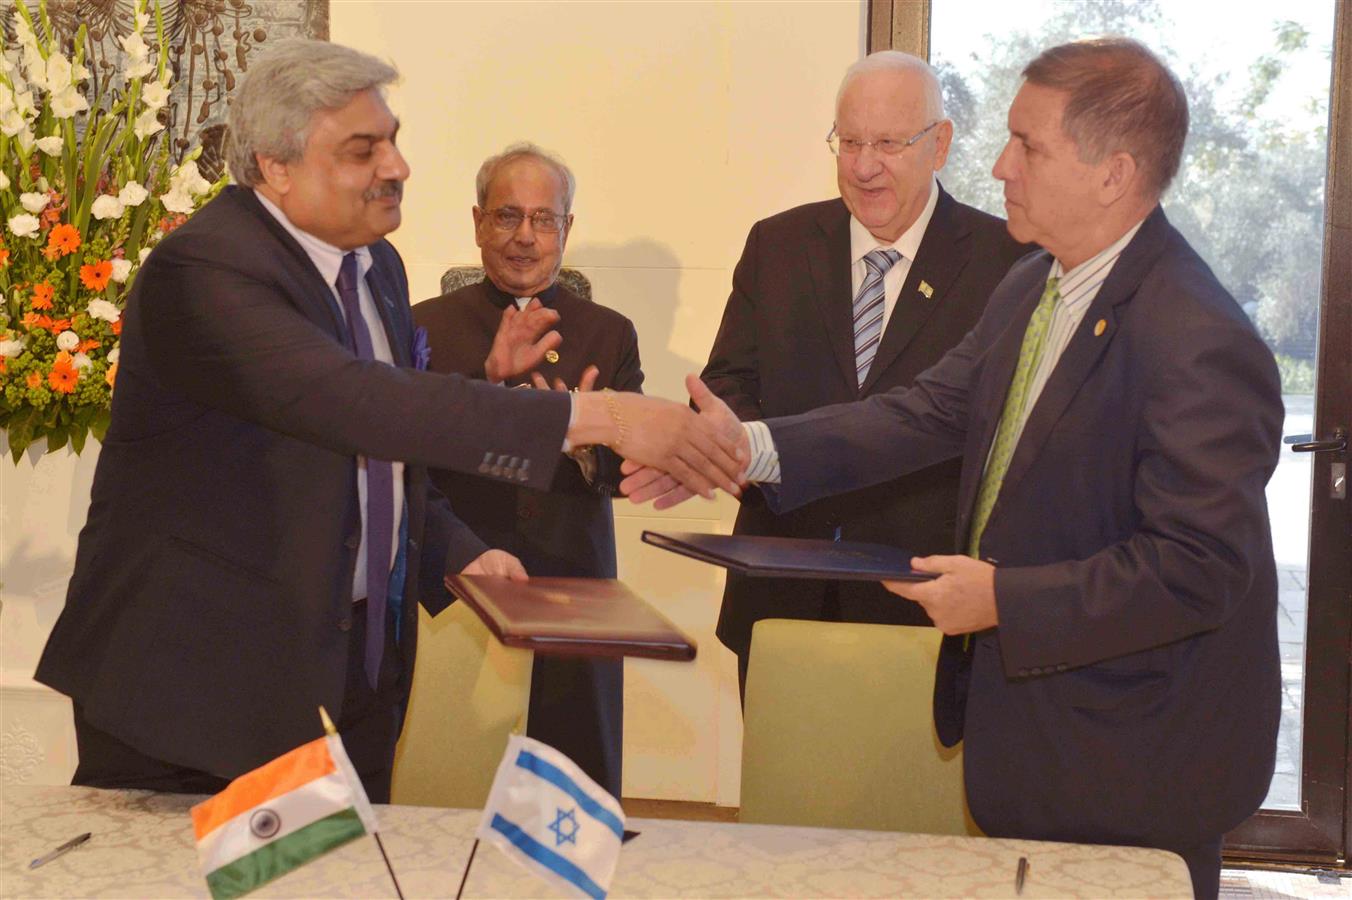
[568, 529]
[208, 612]
[786, 346]
[1132, 689]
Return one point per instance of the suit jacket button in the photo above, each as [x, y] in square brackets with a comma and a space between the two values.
[345, 624]
[1023, 672]
[353, 542]
[1061, 667]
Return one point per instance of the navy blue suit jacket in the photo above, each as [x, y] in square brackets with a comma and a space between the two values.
[208, 612]
[1131, 691]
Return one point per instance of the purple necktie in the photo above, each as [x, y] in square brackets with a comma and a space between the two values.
[379, 488]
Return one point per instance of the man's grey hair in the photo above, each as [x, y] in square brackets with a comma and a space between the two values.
[275, 104]
[524, 150]
[897, 61]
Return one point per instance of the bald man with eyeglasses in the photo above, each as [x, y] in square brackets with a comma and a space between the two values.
[521, 224]
[843, 299]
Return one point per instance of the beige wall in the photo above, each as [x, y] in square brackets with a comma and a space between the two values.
[684, 122]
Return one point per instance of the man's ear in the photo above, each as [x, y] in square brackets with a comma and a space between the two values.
[478, 221]
[1120, 174]
[943, 140]
[276, 174]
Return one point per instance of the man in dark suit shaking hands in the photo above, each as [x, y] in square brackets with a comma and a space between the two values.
[1112, 653]
[848, 298]
[261, 524]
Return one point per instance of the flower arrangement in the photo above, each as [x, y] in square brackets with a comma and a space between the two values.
[87, 187]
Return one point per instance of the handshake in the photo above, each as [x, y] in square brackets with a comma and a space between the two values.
[670, 451]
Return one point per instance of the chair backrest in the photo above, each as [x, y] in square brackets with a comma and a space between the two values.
[469, 692]
[457, 277]
[839, 730]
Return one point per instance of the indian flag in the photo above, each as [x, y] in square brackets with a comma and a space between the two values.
[279, 817]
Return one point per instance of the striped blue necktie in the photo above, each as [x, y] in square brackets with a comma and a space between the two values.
[868, 310]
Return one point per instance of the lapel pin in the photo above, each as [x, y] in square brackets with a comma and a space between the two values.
[926, 289]
[1100, 326]
[552, 356]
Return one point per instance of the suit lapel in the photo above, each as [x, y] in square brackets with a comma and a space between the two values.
[943, 253]
[316, 300]
[382, 292]
[1087, 345]
[829, 264]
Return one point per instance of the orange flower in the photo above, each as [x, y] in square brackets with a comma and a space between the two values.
[56, 326]
[51, 215]
[4, 257]
[4, 365]
[63, 239]
[111, 375]
[96, 277]
[117, 327]
[42, 296]
[34, 379]
[86, 346]
[30, 320]
[63, 376]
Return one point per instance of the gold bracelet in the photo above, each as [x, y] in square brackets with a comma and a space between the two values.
[613, 407]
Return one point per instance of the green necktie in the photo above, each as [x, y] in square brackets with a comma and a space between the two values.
[1012, 416]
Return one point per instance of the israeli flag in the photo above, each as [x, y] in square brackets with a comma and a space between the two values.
[546, 814]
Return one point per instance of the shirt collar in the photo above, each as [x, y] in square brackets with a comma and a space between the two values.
[327, 258]
[862, 242]
[1096, 268]
[501, 298]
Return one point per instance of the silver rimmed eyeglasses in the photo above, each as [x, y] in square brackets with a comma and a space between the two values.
[886, 146]
[509, 218]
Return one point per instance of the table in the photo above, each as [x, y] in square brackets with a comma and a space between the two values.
[142, 846]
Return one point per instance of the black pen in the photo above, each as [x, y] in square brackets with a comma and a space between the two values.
[1021, 874]
[64, 848]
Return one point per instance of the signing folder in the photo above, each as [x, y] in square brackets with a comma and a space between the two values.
[571, 616]
[792, 557]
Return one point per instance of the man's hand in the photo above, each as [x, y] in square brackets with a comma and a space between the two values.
[497, 562]
[588, 382]
[961, 600]
[699, 451]
[522, 341]
[646, 483]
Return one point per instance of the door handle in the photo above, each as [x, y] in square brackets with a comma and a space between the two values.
[1303, 443]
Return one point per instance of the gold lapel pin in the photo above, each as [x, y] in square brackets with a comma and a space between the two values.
[926, 289]
[552, 356]
[1100, 326]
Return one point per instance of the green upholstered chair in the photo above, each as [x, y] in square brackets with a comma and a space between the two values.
[469, 693]
[839, 731]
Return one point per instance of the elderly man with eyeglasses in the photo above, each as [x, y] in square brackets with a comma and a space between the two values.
[844, 299]
[521, 225]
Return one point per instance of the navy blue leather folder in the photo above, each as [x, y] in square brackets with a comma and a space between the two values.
[792, 557]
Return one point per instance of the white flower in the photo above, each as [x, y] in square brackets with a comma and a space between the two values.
[58, 73]
[132, 194]
[135, 46]
[177, 200]
[12, 348]
[4, 181]
[23, 100]
[51, 145]
[147, 123]
[12, 122]
[106, 206]
[23, 225]
[102, 309]
[67, 340]
[142, 19]
[79, 73]
[144, 252]
[68, 103]
[7, 61]
[121, 269]
[80, 361]
[187, 178]
[26, 140]
[139, 69]
[155, 94]
[113, 355]
[34, 203]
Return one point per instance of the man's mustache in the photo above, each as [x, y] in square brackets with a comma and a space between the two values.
[387, 189]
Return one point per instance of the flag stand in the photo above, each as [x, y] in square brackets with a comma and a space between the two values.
[389, 867]
[468, 863]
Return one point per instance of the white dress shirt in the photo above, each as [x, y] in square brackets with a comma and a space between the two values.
[328, 259]
[862, 243]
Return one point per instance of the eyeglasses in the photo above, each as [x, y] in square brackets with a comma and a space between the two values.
[886, 146]
[509, 218]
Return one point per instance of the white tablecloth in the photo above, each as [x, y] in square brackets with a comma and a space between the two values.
[142, 846]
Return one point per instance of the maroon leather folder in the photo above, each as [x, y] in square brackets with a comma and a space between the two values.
[571, 617]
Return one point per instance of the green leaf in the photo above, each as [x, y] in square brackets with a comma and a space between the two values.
[78, 433]
[99, 426]
[56, 439]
